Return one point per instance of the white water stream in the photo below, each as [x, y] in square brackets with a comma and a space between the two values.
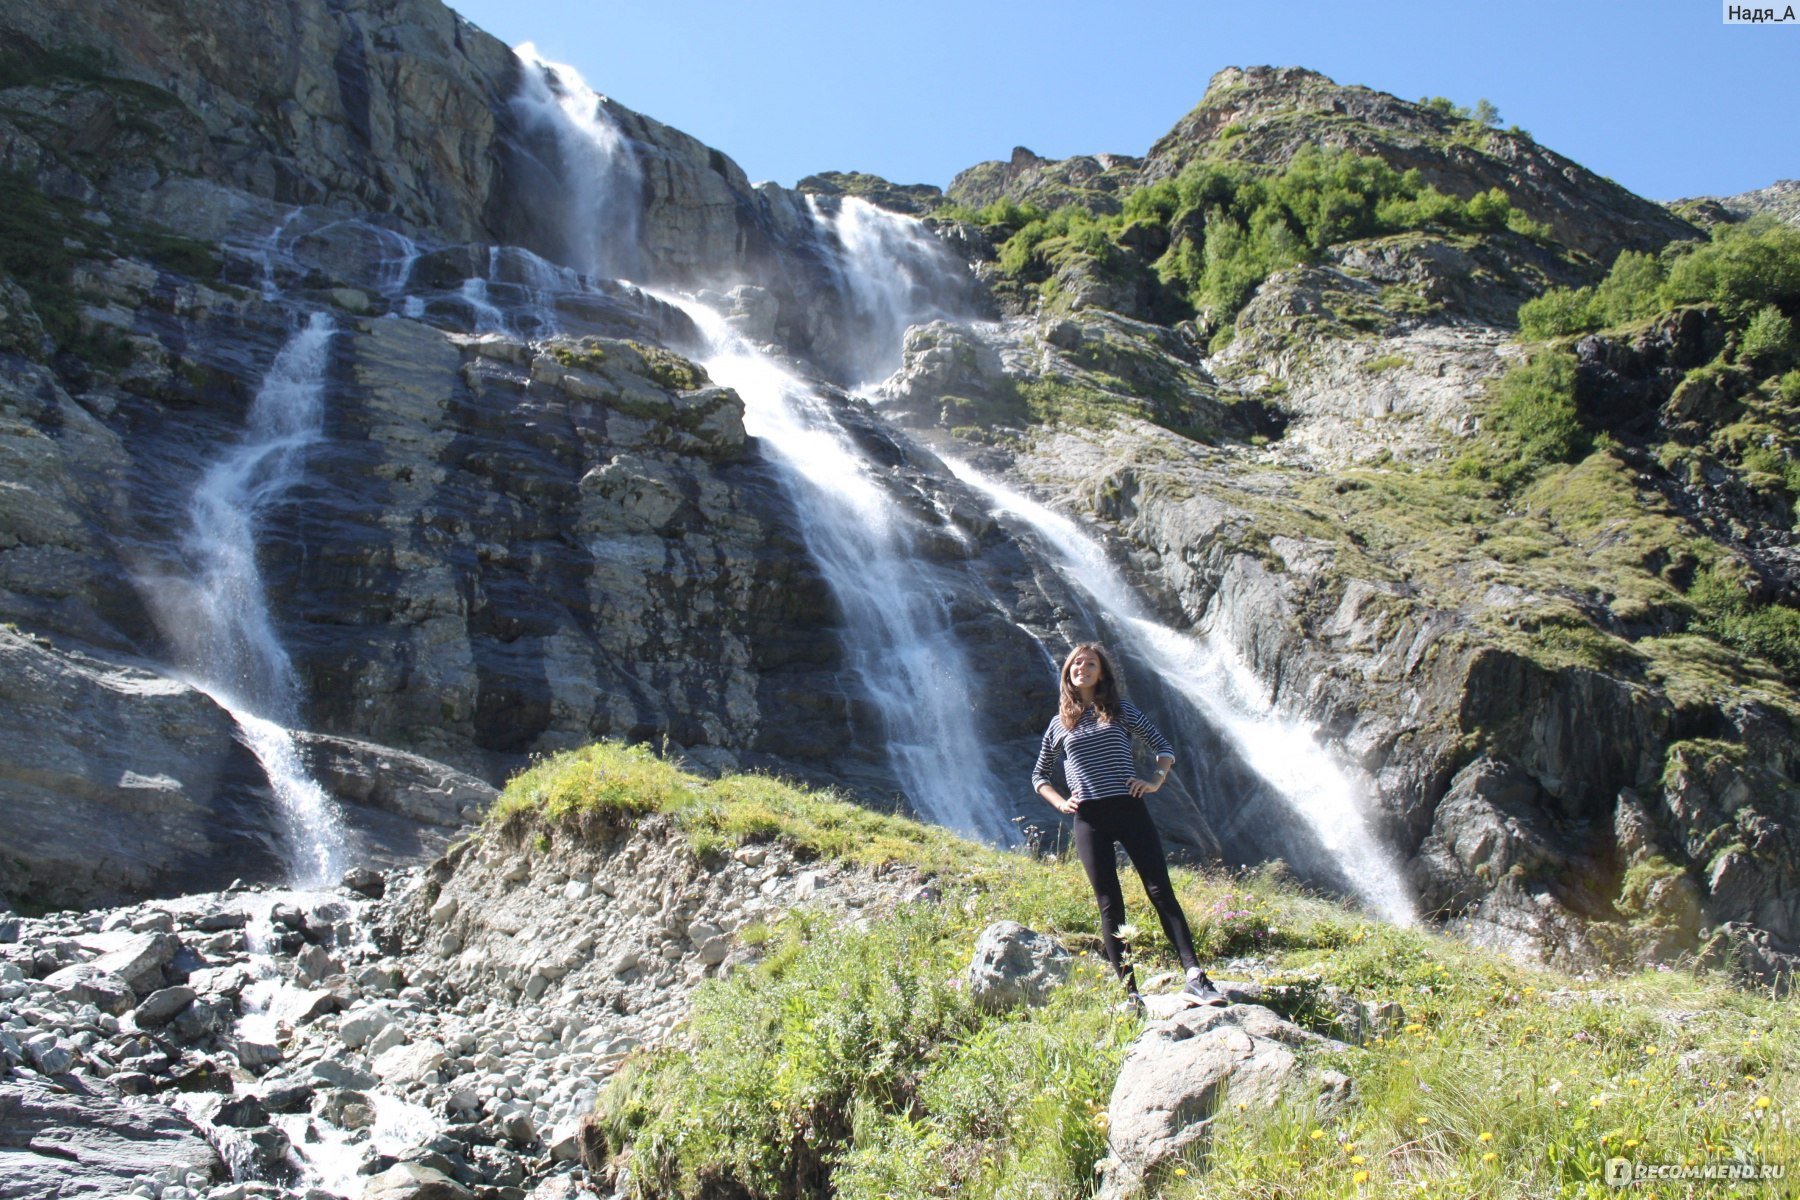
[897, 630]
[893, 273]
[597, 163]
[218, 616]
[1284, 752]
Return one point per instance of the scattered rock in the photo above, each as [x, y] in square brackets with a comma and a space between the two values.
[65, 1143]
[1178, 1073]
[409, 1181]
[160, 1007]
[1013, 965]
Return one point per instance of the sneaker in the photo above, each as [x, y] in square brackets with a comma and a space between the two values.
[1131, 1005]
[1200, 990]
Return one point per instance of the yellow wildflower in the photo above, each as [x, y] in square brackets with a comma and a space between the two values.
[1360, 1177]
[1316, 1134]
[1357, 1159]
[1763, 1102]
[1485, 1136]
[1489, 1157]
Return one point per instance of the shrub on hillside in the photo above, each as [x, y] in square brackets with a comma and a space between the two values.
[1768, 338]
[1230, 225]
[1726, 611]
[1533, 422]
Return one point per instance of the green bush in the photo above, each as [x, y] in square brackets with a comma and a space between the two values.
[1534, 422]
[1559, 312]
[1768, 338]
[1231, 225]
[1725, 611]
[1743, 269]
[1789, 389]
[851, 1061]
[1630, 290]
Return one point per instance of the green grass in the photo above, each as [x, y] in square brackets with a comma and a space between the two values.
[850, 1063]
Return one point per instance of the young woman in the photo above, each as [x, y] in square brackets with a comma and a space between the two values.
[1092, 732]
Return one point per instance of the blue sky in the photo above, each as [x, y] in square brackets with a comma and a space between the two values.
[1660, 95]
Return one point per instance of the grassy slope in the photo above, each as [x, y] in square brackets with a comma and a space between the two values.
[850, 1059]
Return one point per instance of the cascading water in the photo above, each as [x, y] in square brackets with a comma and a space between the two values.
[892, 273]
[598, 166]
[1282, 752]
[218, 617]
[897, 629]
[889, 274]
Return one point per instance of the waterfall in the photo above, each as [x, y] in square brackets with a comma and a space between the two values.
[219, 617]
[897, 631]
[598, 167]
[892, 273]
[1283, 752]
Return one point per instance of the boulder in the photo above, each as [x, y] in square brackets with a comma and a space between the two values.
[413, 1063]
[161, 1007]
[409, 1181]
[1490, 823]
[118, 782]
[88, 983]
[1013, 965]
[1180, 1072]
[74, 1144]
[382, 777]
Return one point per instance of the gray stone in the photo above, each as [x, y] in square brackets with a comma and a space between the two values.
[298, 1006]
[161, 1007]
[365, 881]
[1178, 1073]
[222, 919]
[415, 1063]
[409, 1181]
[90, 983]
[359, 1025]
[241, 1112]
[50, 1054]
[336, 1074]
[385, 1039]
[63, 1144]
[314, 964]
[1013, 965]
[109, 770]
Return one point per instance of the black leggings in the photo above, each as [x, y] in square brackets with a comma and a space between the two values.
[1124, 820]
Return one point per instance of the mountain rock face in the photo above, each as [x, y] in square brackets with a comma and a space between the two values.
[529, 517]
[1266, 115]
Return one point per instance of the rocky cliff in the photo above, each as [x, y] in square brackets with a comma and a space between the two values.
[527, 516]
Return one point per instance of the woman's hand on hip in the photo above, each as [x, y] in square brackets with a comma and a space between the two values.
[1143, 787]
[1065, 804]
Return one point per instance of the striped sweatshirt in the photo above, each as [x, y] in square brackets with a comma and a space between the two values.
[1098, 757]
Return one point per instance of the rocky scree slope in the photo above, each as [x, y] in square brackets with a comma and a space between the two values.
[459, 1018]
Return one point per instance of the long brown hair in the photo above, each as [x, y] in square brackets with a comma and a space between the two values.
[1107, 693]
